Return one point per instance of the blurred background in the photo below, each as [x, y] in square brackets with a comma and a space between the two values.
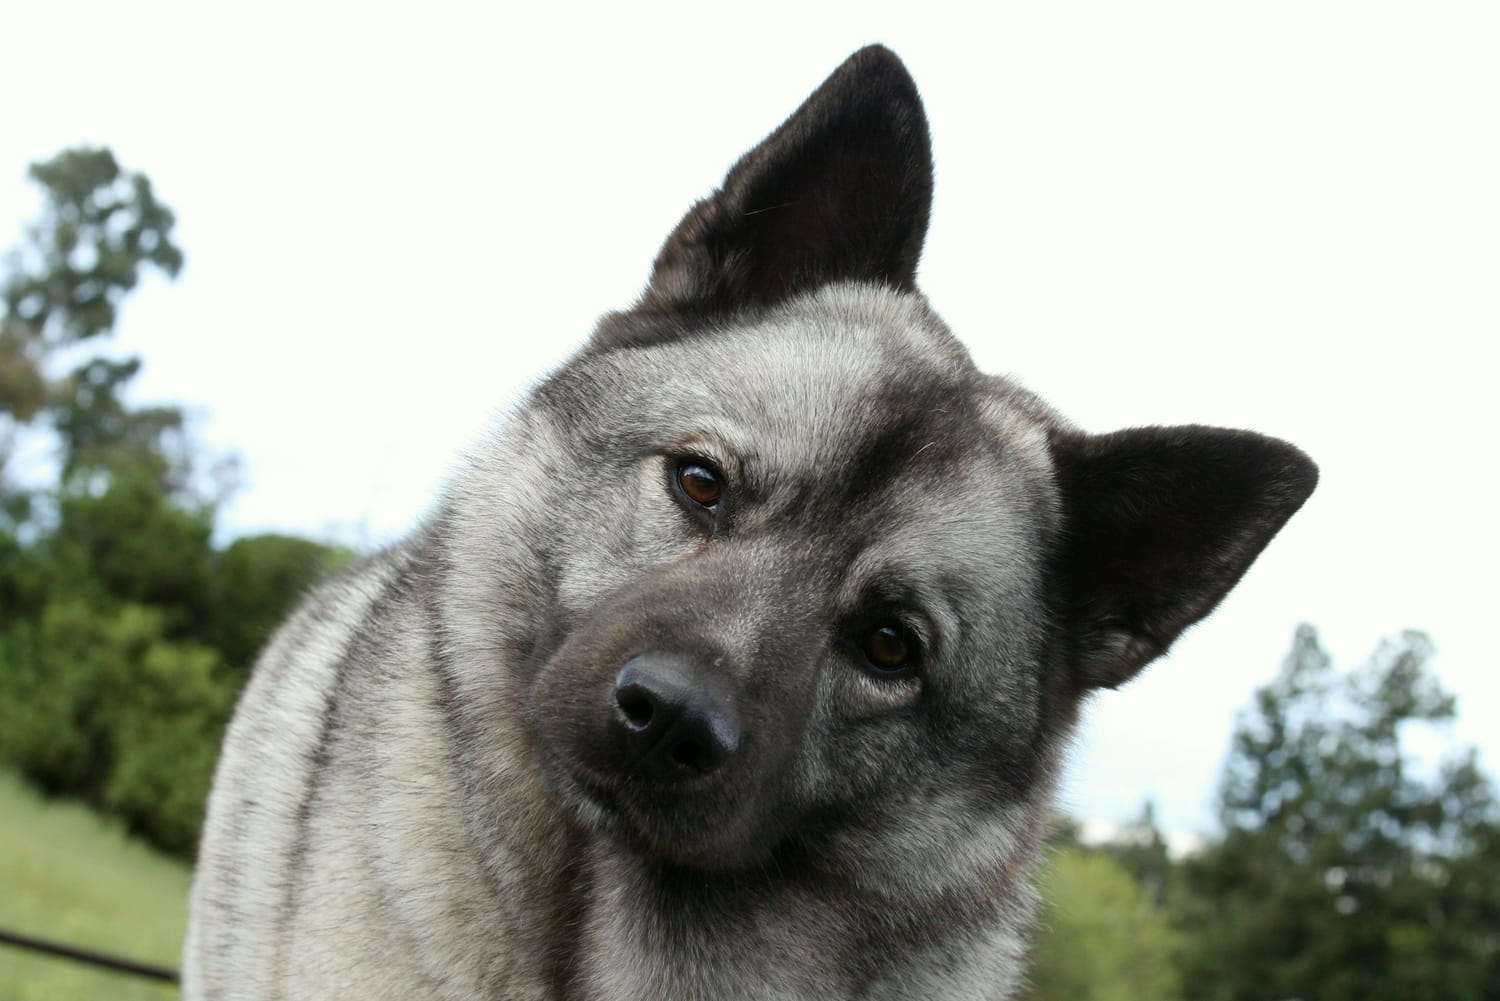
[272, 269]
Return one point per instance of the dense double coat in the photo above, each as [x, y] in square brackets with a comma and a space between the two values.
[739, 661]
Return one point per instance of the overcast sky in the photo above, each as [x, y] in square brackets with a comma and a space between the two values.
[1276, 215]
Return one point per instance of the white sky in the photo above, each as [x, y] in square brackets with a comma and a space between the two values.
[1276, 215]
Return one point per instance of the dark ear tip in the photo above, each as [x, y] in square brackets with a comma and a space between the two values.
[876, 58]
[1288, 466]
[875, 69]
[875, 51]
[1286, 475]
[1302, 472]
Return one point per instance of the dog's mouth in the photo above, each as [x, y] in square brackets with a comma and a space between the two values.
[696, 826]
[590, 795]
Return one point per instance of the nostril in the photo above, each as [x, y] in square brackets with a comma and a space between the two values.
[688, 755]
[636, 707]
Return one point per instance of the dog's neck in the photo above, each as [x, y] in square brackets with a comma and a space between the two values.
[650, 931]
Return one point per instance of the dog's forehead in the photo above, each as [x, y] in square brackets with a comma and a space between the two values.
[867, 383]
[829, 375]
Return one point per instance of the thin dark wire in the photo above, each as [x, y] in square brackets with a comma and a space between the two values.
[85, 956]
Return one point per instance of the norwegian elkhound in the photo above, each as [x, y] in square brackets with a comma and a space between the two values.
[739, 663]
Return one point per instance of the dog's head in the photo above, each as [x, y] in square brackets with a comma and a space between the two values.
[817, 589]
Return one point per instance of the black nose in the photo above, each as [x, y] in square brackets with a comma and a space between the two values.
[675, 726]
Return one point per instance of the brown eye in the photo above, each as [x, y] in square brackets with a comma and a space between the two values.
[699, 484]
[888, 648]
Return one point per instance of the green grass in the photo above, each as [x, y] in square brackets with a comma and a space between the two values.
[68, 875]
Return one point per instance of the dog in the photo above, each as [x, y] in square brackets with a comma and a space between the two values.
[741, 660]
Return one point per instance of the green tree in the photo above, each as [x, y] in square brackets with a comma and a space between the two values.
[98, 703]
[126, 634]
[1347, 871]
[1101, 938]
[100, 227]
[1141, 850]
[132, 542]
[254, 584]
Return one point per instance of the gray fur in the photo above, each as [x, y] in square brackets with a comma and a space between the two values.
[428, 789]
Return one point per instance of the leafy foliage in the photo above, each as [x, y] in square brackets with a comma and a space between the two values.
[1141, 850]
[252, 586]
[130, 639]
[127, 633]
[1102, 938]
[1347, 870]
[105, 707]
[101, 227]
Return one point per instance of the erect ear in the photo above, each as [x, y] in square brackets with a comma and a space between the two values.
[1159, 524]
[841, 190]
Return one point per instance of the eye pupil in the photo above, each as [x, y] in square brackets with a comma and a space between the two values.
[887, 647]
[699, 483]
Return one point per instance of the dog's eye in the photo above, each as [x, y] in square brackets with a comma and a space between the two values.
[699, 483]
[890, 649]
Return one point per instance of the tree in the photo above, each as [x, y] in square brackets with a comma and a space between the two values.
[1346, 871]
[100, 228]
[1141, 850]
[1100, 938]
[126, 633]
[99, 704]
[255, 583]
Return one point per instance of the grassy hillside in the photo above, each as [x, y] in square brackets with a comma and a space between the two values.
[67, 875]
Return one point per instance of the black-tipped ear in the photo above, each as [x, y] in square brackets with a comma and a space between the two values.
[841, 190]
[1160, 524]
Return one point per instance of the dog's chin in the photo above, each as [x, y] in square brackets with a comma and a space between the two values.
[657, 835]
